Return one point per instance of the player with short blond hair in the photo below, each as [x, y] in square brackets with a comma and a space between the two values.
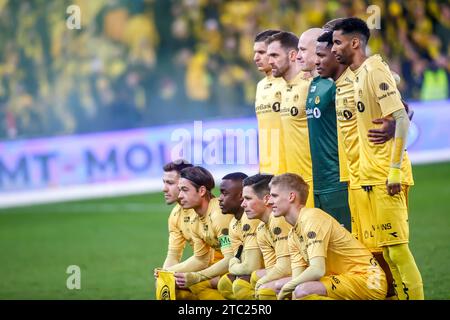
[327, 261]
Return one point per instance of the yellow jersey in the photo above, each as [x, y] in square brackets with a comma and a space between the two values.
[243, 232]
[317, 234]
[270, 135]
[376, 96]
[295, 127]
[211, 231]
[347, 124]
[272, 240]
[179, 229]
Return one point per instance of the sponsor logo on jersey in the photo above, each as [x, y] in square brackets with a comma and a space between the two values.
[294, 111]
[317, 113]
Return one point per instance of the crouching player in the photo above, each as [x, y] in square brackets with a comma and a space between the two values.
[327, 261]
[247, 257]
[209, 229]
[271, 235]
[179, 218]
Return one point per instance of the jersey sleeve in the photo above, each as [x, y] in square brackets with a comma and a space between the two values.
[317, 231]
[176, 239]
[385, 90]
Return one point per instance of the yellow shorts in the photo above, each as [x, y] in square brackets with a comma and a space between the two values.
[310, 200]
[363, 219]
[357, 286]
[391, 213]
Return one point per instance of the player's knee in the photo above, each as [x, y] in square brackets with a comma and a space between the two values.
[308, 288]
[279, 284]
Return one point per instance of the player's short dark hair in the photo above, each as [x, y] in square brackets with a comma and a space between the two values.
[292, 182]
[354, 25]
[259, 183]
[235, 176]
[287, 40]
[327, 37]
[176, 165]
[263, 35]
[198, 176]
[330, 24]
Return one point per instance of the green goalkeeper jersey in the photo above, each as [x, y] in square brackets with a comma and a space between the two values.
[323, 139]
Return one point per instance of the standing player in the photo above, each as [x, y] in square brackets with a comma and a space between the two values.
[272, 240]
[209, 229]
[282, 51]
[330, 194]
[327, 261]
[384, 170]
[242, 234]
[267, 108]
[328, 67]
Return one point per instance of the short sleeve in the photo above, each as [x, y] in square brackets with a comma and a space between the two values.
[385, 90]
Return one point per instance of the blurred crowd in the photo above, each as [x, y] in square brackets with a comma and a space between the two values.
[137, 63]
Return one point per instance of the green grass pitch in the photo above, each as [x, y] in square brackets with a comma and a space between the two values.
[117, 242]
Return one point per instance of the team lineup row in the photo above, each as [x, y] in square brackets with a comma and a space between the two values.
[332, 130]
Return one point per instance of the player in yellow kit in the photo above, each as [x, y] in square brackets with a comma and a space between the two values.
[272, 240]
[209, 229]
[179, 220]
[242, 234]
[327, 261]
[282, 51]
[385, 170]
[267, 108]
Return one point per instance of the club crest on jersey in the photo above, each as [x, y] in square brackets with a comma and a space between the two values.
[317, 100]
[276, 230]
[278, 95]
[384, 86]
[296, 98]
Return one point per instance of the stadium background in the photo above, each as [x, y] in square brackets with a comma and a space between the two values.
[159, 65]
